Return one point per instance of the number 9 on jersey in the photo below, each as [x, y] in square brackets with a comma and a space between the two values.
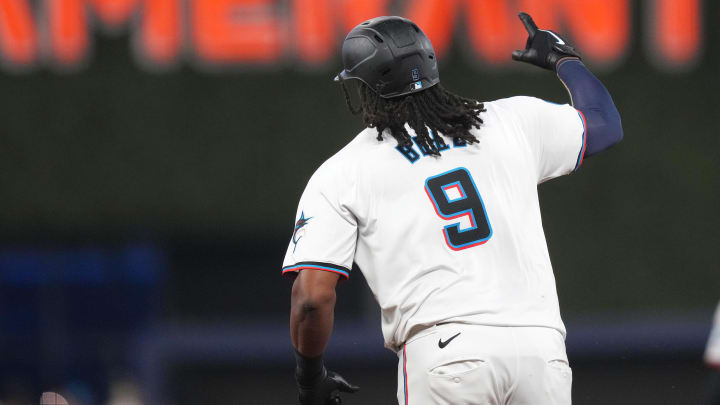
[454, 196]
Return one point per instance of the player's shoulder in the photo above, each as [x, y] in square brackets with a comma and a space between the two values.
[517, 103]
[343, 165]
[352, 153]
[526, 107]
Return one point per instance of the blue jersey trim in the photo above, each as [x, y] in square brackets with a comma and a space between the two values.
[581, 154]
[333, 268]
[405, 385]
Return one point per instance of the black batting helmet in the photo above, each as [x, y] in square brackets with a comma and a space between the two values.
[391, 55]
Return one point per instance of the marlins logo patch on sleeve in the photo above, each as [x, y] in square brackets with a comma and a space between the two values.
[299, 232]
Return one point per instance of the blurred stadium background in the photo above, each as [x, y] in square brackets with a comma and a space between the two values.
[152, 153]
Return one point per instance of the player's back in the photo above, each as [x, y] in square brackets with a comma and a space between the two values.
[456, 237]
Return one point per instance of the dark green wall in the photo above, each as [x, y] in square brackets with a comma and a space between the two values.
[114, 149]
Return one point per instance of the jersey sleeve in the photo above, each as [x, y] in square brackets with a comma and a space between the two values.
[325, 232]
[555, 134]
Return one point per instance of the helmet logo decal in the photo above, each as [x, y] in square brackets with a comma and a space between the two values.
[416, 77]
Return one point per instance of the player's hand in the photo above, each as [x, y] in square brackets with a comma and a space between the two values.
[324, 390]
[544, 48]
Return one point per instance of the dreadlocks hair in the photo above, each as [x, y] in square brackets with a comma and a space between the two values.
[434, 108]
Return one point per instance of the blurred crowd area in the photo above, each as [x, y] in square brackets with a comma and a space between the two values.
[152, 153]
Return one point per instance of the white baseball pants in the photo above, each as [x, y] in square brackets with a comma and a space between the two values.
[462, 364]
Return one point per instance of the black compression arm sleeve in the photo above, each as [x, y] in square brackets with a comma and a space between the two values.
[589, 96]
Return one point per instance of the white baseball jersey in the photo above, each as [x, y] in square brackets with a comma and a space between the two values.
[452, 238]
[712, 351]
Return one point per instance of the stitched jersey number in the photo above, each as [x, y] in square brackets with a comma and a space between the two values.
[454, 196]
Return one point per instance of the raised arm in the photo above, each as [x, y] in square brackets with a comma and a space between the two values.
[588, 95]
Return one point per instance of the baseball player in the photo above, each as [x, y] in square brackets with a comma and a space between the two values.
[436, 201]
[712, 359]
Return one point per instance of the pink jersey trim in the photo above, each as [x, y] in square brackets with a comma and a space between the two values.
[296, 269]
[584, 141]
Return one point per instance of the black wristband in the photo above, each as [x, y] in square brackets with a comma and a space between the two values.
[308, 368]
